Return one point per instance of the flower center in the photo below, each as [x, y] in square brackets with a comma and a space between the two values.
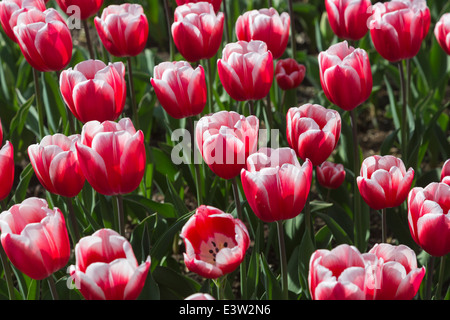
[210, 249]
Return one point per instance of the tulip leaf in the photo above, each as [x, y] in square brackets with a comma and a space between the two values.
[271, 283]
[338, 232]
[24, 181]
[173, 285]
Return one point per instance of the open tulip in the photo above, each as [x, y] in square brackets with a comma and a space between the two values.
[7, 167]
[215, 3]
[10, 9]
[215, 242]
[44, 39]
[197, 30]
[384, 181]
[289, 74]
[348, 18]
[181, 89]
[106, 267]
[123, 29]
[112, 156]
[225, 140]
[246, 70]
[275, 184]
[93, 90]
[266, 25]
[345, 75]
[86, 8]
[429, 219]
[392, 272]
[337, 274]
[35, 238]
[445, 172]
[330, 175]
[55, 164]
[442, 32]
[398, 27]
[313, 131]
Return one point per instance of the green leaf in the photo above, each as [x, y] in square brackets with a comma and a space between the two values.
[338, 232]
[24, 180]
[174, 285]
[271, 283]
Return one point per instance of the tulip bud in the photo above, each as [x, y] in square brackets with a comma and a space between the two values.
[442, 32]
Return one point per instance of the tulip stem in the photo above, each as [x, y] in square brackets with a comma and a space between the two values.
[73, 220]
[208, 64]
[169, 31]
[251, 106]
[196, 165]
[430, 268]
[356, 167]
[132, 93]
[293, 42]
[441, 278]
[225, 15]
[383, 226]
[39, 105]
[404, 124]
[120, 214]
[8, 273]
[88, 39]
[243, 266]
[283, 259]
[51, 284]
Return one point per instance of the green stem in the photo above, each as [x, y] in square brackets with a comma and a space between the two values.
[39, 105]
[132, 93]
[356, 196]
[169, 31]
[51, 284]
[225, 15]
[196, 165]
[207, 63]
[293, 40]
[383, 226]
[441, 279]
[8, 273]
[120, 214]
[404, 124]
[243, 266]
[269, 111]
[88, 39]
[430, 271]
[73, 220]
[251, 106]
[283, 259]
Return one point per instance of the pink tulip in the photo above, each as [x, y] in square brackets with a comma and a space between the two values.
[337, 274]
[246, 70]
[7, 167]
[112, 156]
[35, 238]
[123, 29]
[44, 39]
[215, 3]
[348, 18]
[106, 267]
[55, 164]
[197, 30]
[442, 32]
[428, 218]
[384, 181]
[345, 75]
[275, 184]
[200, 296]
[398, 28]
[394, 272]
[313, 131]
[86, 8]
[289, 74]
[215, 242]
[225, 140]
[93, 90]
[330, 175]
[10, 10]
[266, 25]
[180, 89]
[445, 172]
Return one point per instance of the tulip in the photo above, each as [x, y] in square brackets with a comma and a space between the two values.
[197, 30]
[6, 169]
[55, 164]
[246, 70]
[123, 29]
[445, 172]
[313, 131]
[10, 9]
[345, 75]
[225, 140]
[86, 8]
[393, 271]
[266, 25]
[428, 218]
[200, 296]
[112, 156]
[93, 90]
[330, 175]
[275, 184]
[44, 39]
[442, 32]
[215, 242]
[289, 74]
[337, 274]
[215, 3]
[107, 269]
[180, 89]
[35, 238]
[384, 181]
[398, 28]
